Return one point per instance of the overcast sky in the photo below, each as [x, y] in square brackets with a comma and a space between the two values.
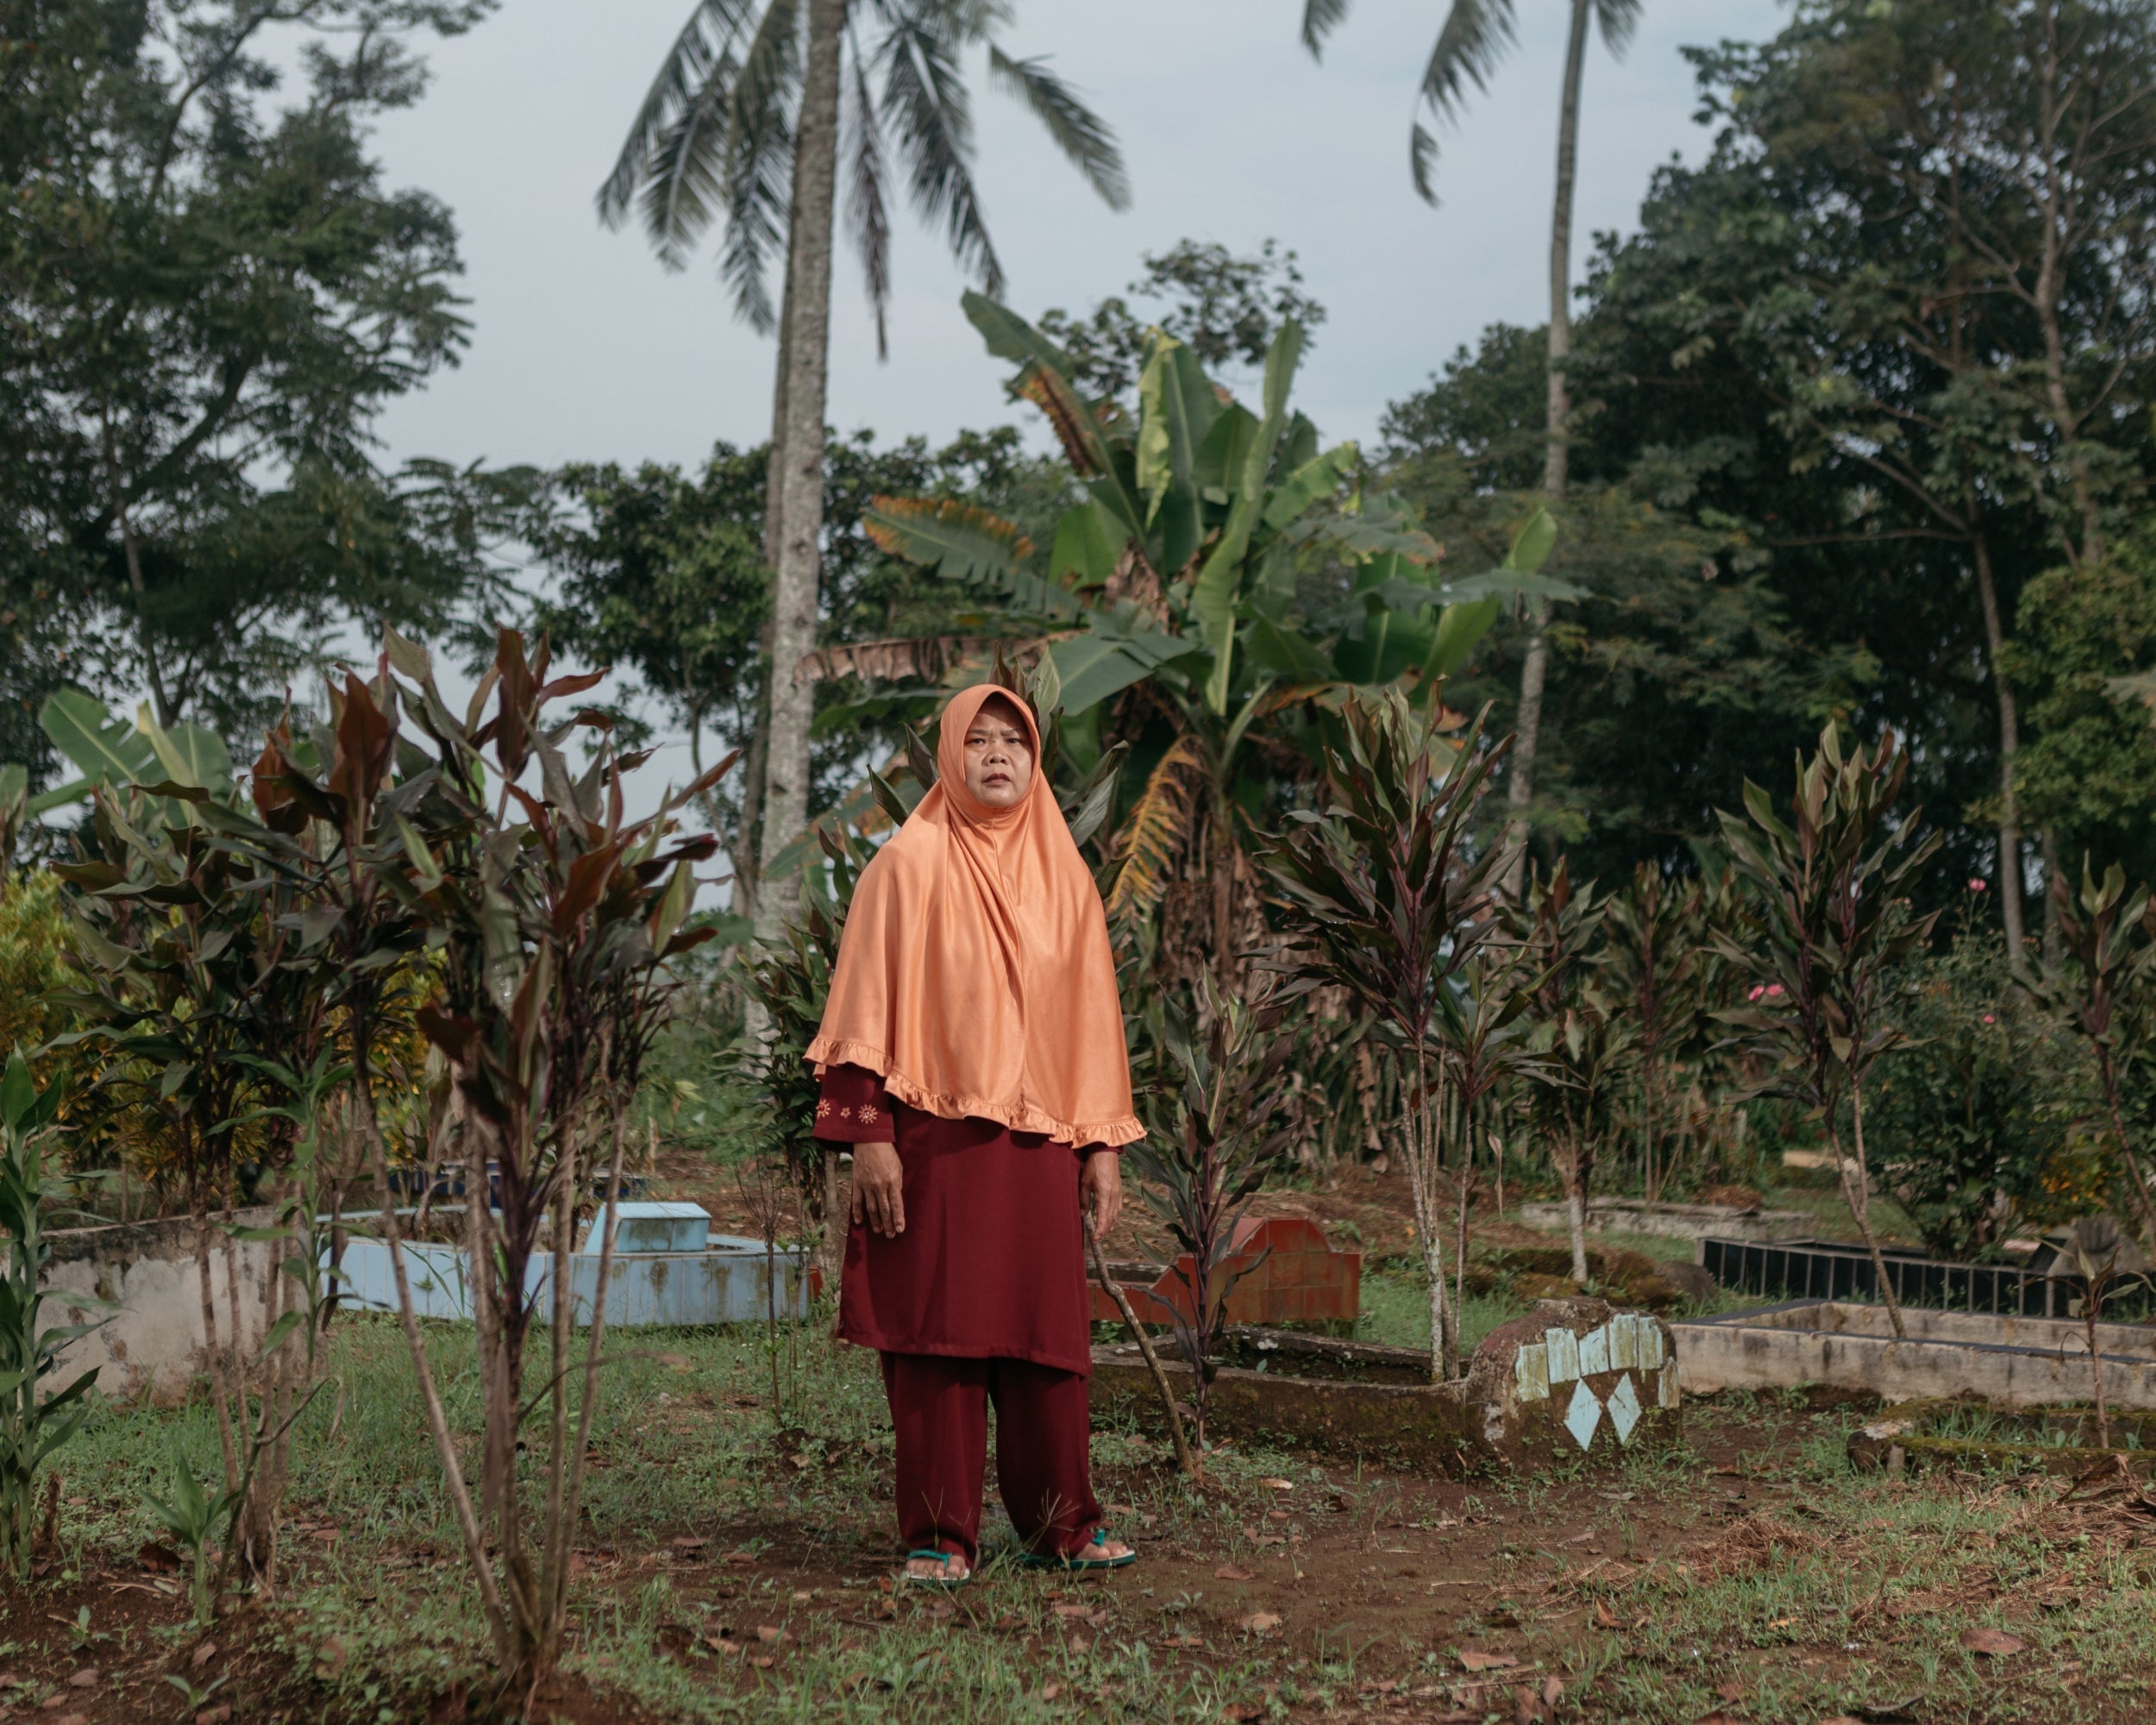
[583, 347]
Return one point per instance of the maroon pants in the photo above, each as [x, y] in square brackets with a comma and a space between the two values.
[939, 1408]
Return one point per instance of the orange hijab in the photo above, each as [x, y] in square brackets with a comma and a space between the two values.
[974, 973]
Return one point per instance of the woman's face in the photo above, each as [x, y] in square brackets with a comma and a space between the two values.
[998, 755]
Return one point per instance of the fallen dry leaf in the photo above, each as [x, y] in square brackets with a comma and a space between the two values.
[1230, 1573]
[1991, 1641]
[689, 1542]
[88, 1677]
[770, 1632]
[1259, 1621]
[1278, 1484]
[762, 1661]
[1733, 1690]
[1051, 1690]
[330, 1658]
[218, 1715]
[204, 1654]
[1604, 1617]
[1477, 1661]
[1552, 1689]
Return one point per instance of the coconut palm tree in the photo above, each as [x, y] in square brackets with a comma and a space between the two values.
[1471, 45]
[755, 109]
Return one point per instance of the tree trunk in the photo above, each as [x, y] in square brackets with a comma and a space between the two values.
[2053, 201]
[2054, 943]
[800, 448]
[1855, 1191]
[1534, 668]
[745, 851]
[2009, 873]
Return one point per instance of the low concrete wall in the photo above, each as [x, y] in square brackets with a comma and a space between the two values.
[152, 1345]
[1672, 1221]
[2010, 1362]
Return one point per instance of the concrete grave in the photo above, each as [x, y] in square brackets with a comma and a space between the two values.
[1574, 1378]
[2010, 1362]
[150, 1343]
[667, 1270]
[1917, 1436]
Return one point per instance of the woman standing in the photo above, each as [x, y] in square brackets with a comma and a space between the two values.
[972, 1054]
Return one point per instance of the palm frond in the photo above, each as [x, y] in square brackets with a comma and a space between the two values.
[682, 76]
[685, 180]
[1154, 834]
[1319, 19]
[759, 169]
[868, 206]
[1475, 36]
[925, 97]
[1618, 20]
[1082, 134]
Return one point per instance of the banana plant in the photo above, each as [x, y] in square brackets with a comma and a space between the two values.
[111, 754]
[1180, 570]
[1182, 561]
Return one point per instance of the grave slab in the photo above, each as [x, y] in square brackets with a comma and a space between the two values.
[2010, 1362]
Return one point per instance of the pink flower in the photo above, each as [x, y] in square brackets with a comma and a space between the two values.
[1773, 990]
[1976, 883]
[1756, 992]
[1988, 1018]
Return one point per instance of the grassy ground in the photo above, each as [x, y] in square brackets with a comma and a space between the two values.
[734, 1568]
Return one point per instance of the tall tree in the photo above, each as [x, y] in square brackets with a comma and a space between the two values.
[1949, 304]
[1470, 44]
[207, 294]
[750, 116]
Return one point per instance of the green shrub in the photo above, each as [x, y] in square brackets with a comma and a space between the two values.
[1973, 1124]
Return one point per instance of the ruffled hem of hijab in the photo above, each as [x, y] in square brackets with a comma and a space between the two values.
[830, 1051]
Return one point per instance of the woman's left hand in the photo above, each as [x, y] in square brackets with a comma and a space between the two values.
[1100, 1190]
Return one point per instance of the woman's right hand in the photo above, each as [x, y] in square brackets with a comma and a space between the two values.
[880, 1189]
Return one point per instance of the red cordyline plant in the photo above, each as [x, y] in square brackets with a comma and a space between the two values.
[2107, 994]
[551, 916]
[1390, 899]
[1582, 1038]
[1827, 916]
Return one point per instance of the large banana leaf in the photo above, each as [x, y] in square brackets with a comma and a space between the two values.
[104, 749]
[966, 544]
[1089, 541]
[189, 753]
[1103, 662]
[1176, 408]
[1213, 595]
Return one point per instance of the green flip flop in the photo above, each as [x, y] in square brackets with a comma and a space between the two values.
[946, 1581]
[1100, 1537]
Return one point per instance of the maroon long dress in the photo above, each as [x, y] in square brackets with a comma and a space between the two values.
[983, 1298]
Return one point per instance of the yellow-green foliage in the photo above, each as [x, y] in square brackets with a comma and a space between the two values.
[34, 938]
